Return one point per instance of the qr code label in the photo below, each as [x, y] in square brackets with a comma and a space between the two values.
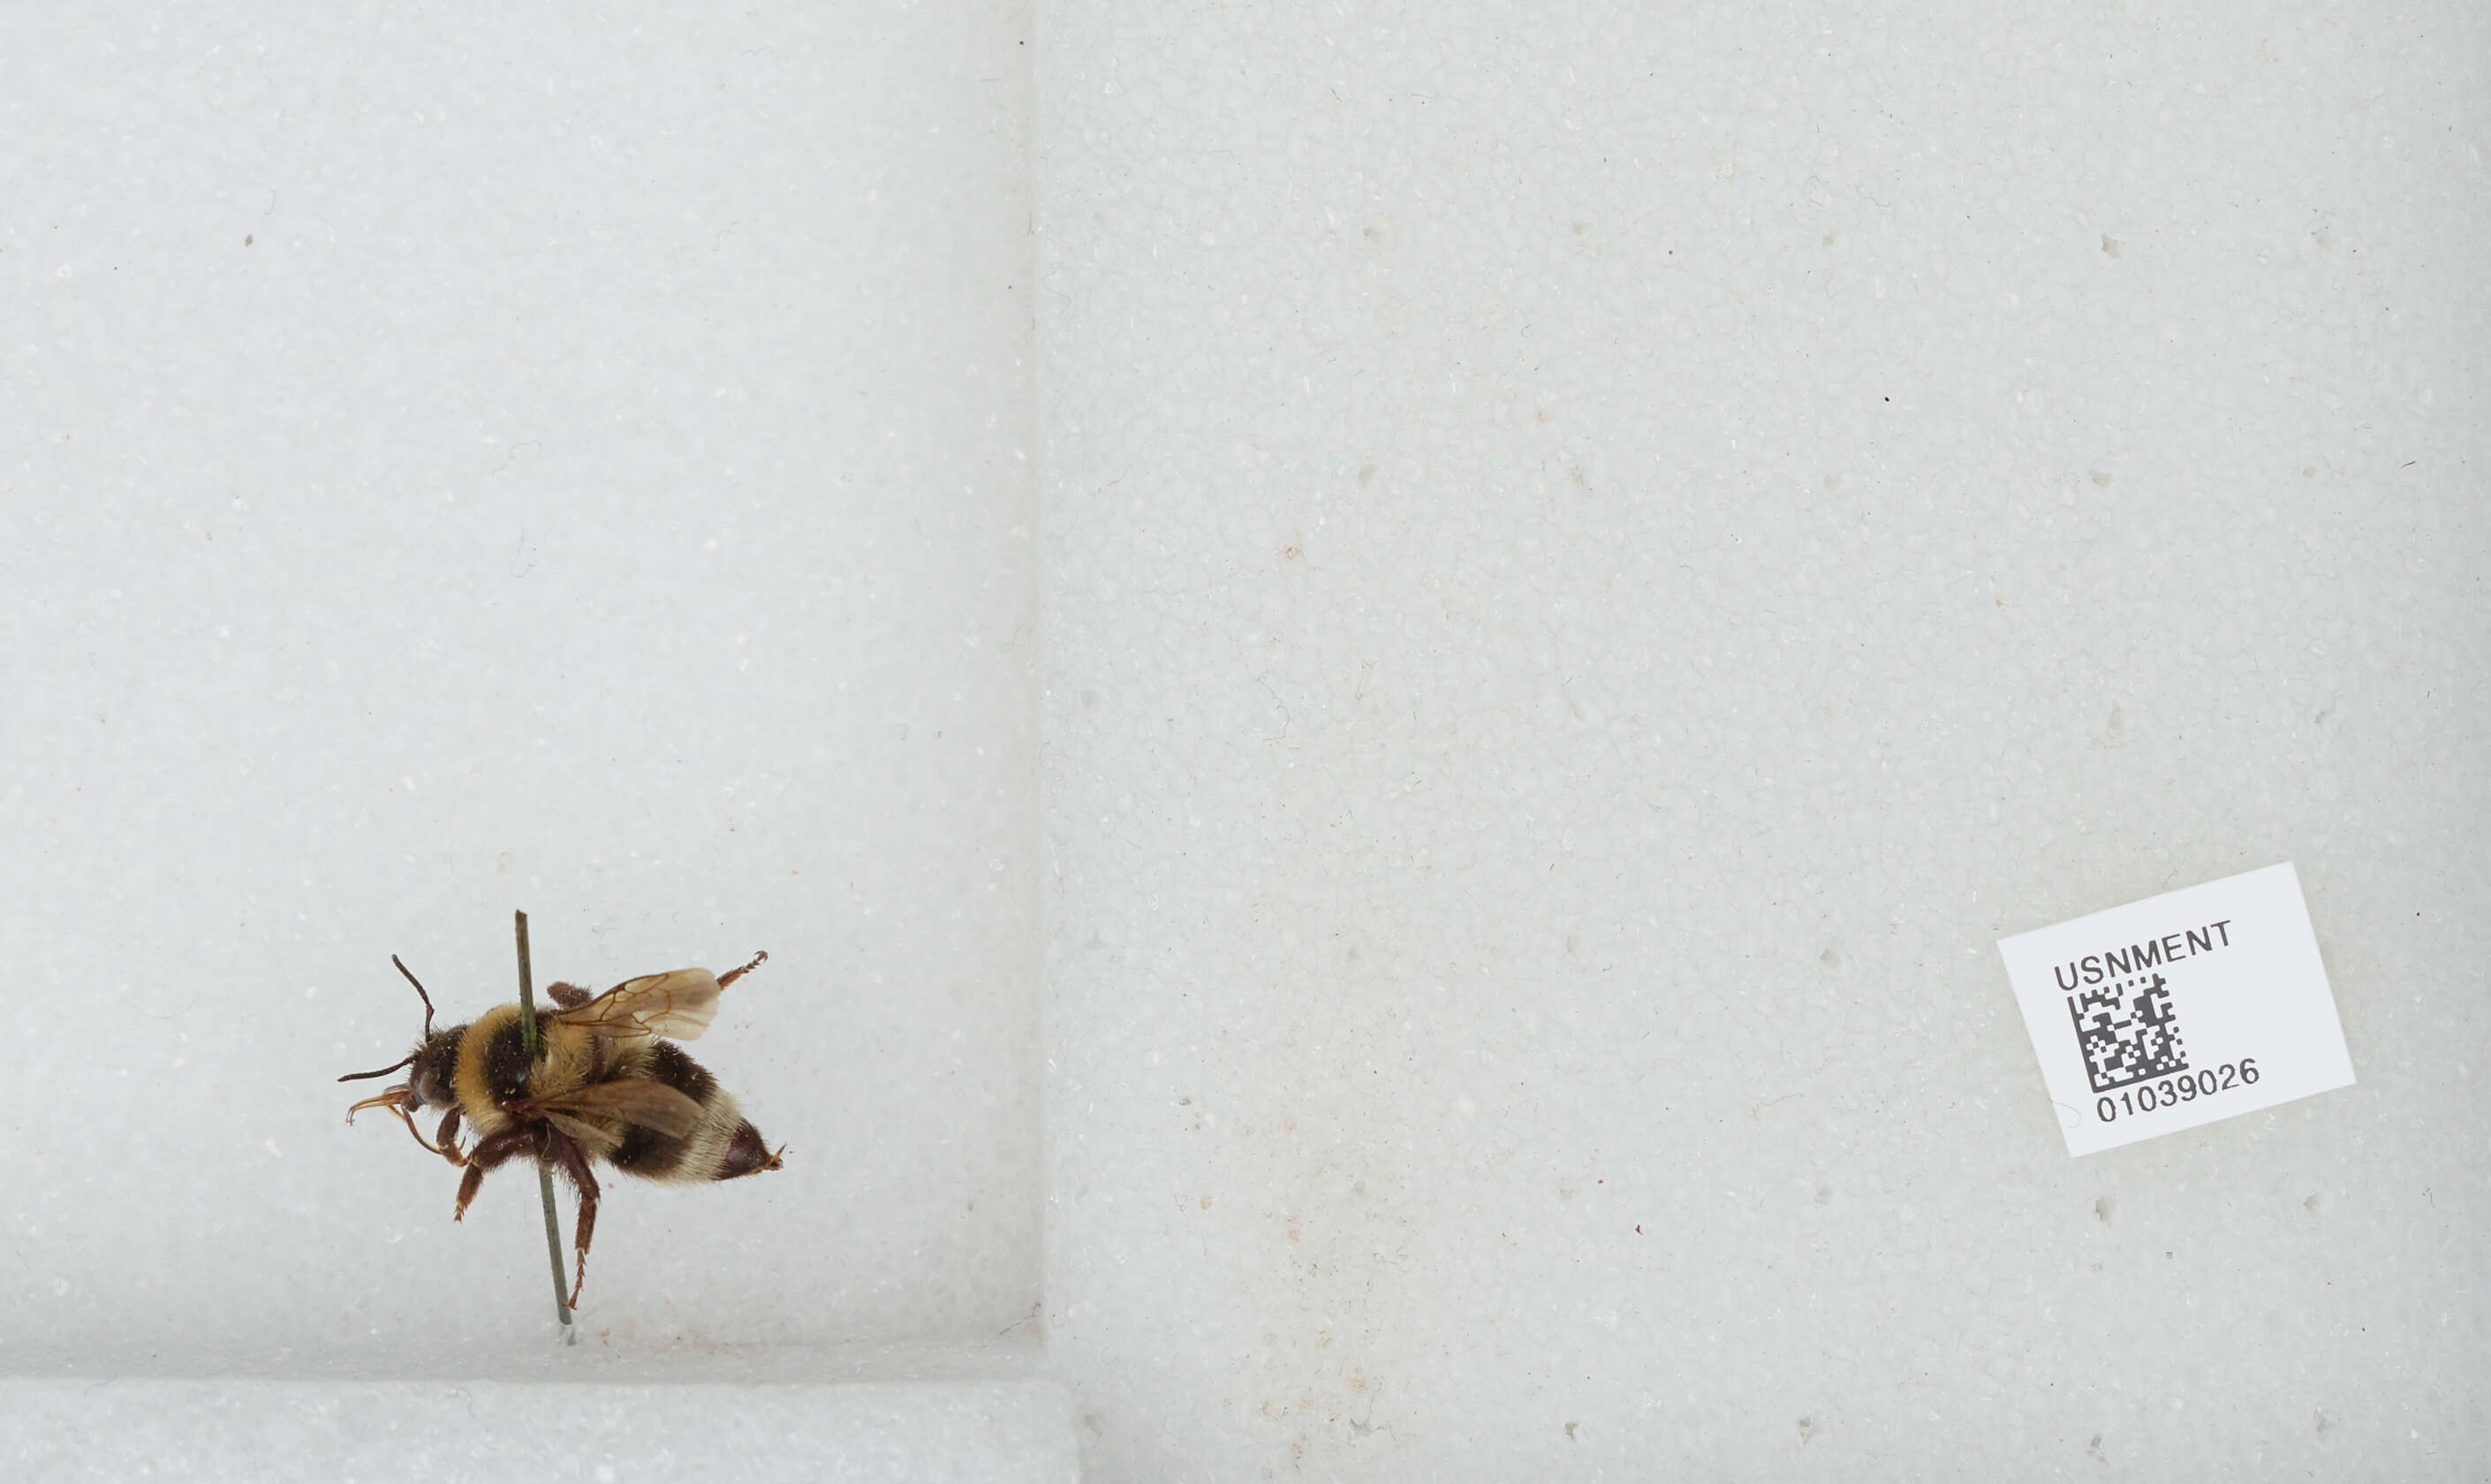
[2104, 998]
[2127, 1032]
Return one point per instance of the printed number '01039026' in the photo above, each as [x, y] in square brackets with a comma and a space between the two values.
[2187, 1087]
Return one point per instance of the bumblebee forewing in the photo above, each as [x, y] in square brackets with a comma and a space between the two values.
[626, 1100]
[677, 1006]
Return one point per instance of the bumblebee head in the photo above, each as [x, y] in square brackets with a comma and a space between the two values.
[428, 1085]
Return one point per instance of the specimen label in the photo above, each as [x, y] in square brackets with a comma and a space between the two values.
[2180, 1009]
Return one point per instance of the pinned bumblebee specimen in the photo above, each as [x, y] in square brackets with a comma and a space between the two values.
[607, 1087]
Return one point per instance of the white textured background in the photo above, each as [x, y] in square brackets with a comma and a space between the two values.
[1595, 561]
[496, 456]
[990, 1432]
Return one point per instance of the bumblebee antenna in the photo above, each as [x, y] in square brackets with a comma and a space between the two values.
[419, 995]
[383, 1073]
[428, 1031]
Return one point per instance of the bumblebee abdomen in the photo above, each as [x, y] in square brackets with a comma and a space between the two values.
[723, 1146]
[744, 1153]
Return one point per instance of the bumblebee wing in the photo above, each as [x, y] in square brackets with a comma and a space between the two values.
[679, 1006]
[580, 1130]
[623, 1101]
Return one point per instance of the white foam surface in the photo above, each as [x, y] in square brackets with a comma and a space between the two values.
[1597, 557]
[480, 459]
[802, 1414]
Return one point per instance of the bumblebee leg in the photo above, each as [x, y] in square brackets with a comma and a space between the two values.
[382, 1098]
[448, 1138]
[418, 1137]
[569, 996]
[733, 975]
[487, 1153]
[574, 1164]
